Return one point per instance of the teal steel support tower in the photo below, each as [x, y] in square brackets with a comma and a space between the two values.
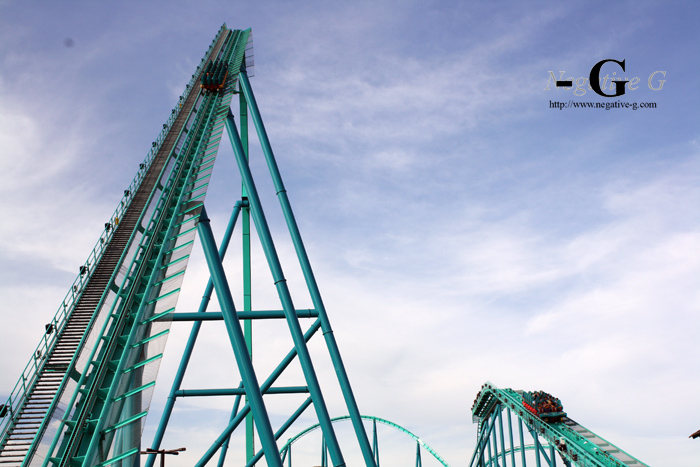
[83, 398]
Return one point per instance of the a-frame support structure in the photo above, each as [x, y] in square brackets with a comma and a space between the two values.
[84, 395]
[238, 322]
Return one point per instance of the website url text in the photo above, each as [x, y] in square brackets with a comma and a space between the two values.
[601, 105]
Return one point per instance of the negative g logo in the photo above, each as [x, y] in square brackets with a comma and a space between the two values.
[606, 86]
[594, 79]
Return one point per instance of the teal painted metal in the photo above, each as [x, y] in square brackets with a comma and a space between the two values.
[98, 383]
[48, 341]
[238, 391]
[510, 433]
[236, 416]
[282, 429]
[37, 368]
[567, 440]
[234, 56]
[288, 445]
[275, 266]
[331, 343]
[233, 424]
[136, 305]
[245, 366]
[502, 438]
[482, 442]
[243, 315]
[171, 218]
[375, 443]
[150, 266]
[224, 447]
[522, 440]
[189, 347]
[247, 278]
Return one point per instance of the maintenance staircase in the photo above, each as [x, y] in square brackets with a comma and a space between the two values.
[49, 382]
[29, 417]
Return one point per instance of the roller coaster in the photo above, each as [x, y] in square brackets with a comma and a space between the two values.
[84, 395]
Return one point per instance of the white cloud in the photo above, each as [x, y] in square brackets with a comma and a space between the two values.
[452, 240]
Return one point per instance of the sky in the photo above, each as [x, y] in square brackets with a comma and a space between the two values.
[462, 228]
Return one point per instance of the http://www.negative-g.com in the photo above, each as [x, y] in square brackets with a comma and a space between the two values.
[601, 105]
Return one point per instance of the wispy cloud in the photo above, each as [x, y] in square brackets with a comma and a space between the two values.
[460, 231]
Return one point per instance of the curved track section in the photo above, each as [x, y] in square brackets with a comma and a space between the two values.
[503, 416]
[287, 446]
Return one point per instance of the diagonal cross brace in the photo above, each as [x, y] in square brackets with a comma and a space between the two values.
[305, 264]
[275, 266]
[184, 362]
[235, 332]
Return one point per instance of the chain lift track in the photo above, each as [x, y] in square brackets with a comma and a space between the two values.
[96, 348]
[44, 376]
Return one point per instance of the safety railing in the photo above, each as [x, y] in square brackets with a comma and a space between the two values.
[15, 401]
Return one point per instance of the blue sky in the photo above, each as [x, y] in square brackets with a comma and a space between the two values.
[460, 228]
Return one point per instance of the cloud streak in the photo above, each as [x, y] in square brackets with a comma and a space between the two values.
[460, 230]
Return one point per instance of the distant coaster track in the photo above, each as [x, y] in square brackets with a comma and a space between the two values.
[503, 444]
[285, 451]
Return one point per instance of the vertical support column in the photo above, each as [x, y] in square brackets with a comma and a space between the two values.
[273, 261]
[483, 442]
[488, 445]
[494, 434]
[552, 456]
[510, 433]
[247, 285]
[522, 443]
[375, 442]
[233, 327]
[500, 429]
[538, 448]
[331, 343]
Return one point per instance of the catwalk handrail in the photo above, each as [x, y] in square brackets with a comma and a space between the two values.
[32, 369]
